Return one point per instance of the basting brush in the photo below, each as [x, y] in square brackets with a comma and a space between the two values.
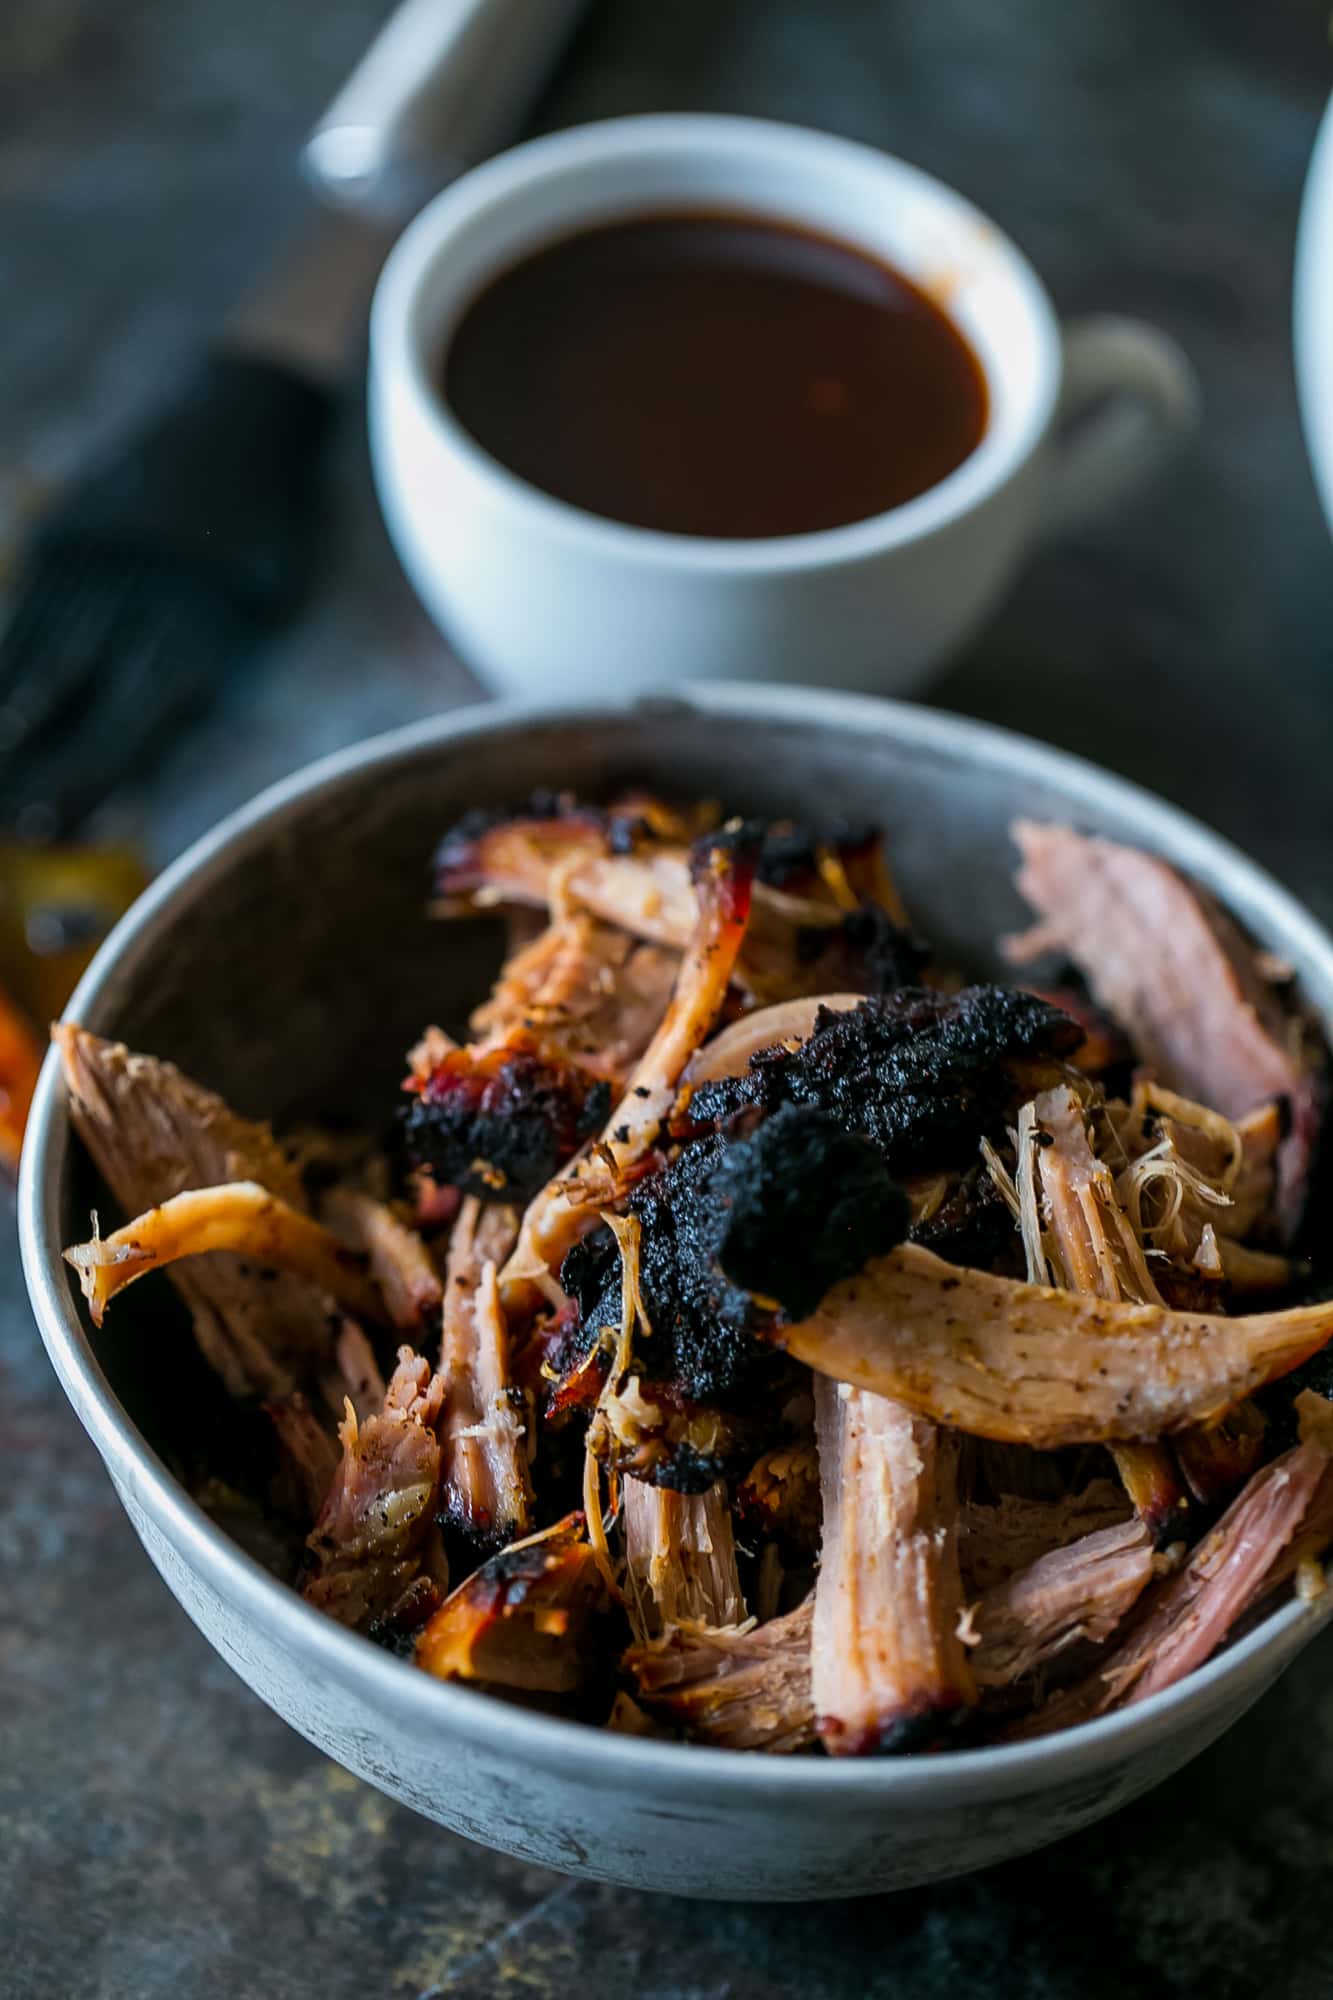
[165, 568]
[154, 579]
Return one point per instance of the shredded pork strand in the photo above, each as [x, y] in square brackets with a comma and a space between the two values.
[587, 989]
[998, 1538]
[563, 865]
[154, 1133]
[736, 1688]
[356, 1377]
[1190, 1614]
[680, 1558]
[243, 1218]
[310, 1452]
[399, 1261]
[1092, 1246]
[485, 1485]
[570, 1204]
[1027, 1364]
[1176, 974]
[1070, 1596]
[752, 1688]
[887, 1665]
[373, 1532]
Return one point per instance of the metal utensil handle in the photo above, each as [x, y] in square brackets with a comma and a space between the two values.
[444, 84]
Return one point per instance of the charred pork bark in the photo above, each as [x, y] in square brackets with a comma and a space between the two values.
[485, 1489]
[525, 1620]
[826, 912]
[922, 1075]
[784, 1185]
[1178, 976]
[680, 1559]
[793, 1204]
[888, 1669]
[567, 1019]
[153, 1133]
[372, 1540]
[498, 1122]
[1026, 1364]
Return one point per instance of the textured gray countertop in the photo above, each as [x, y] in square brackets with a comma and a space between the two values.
[163, 1834]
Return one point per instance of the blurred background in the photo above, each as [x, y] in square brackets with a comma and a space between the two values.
[167, 1834]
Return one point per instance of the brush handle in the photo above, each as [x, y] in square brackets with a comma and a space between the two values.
[444, 84]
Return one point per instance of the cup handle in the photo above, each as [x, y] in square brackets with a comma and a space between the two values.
[1130, 397]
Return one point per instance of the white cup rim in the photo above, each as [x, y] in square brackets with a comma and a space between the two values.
[400, 349]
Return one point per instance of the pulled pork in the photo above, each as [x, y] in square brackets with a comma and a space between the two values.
[154, 1133]
[486, 1491]
[888, 1669]
[1176, 973]
[896, 1334]
[369, 1551]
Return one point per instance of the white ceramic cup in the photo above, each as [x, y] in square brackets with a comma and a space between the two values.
[544, 598]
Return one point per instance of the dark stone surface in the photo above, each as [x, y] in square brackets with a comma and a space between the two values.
[163, 1835]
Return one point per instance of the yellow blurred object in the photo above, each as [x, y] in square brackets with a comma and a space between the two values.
[56, 906]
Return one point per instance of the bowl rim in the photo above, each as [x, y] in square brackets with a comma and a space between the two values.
[399, 351]
[386, 1684]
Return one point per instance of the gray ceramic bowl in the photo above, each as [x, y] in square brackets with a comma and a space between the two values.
[286, 960]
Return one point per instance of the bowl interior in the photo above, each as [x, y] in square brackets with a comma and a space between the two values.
[288, 961]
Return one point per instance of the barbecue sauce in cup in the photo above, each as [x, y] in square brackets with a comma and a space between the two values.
[714, 374]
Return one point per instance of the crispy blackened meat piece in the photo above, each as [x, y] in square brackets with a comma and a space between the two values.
[790, 854]
[459, 863]
[786, 1212]
[924, 1075]
[802, 1203]
[499, 1123]
[701, 1321]
[566, 1209]
[865, 952]
[527, 1619]
[971, 1226]
[790, 1189]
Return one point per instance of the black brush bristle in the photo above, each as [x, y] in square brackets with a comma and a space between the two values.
[154, 579]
